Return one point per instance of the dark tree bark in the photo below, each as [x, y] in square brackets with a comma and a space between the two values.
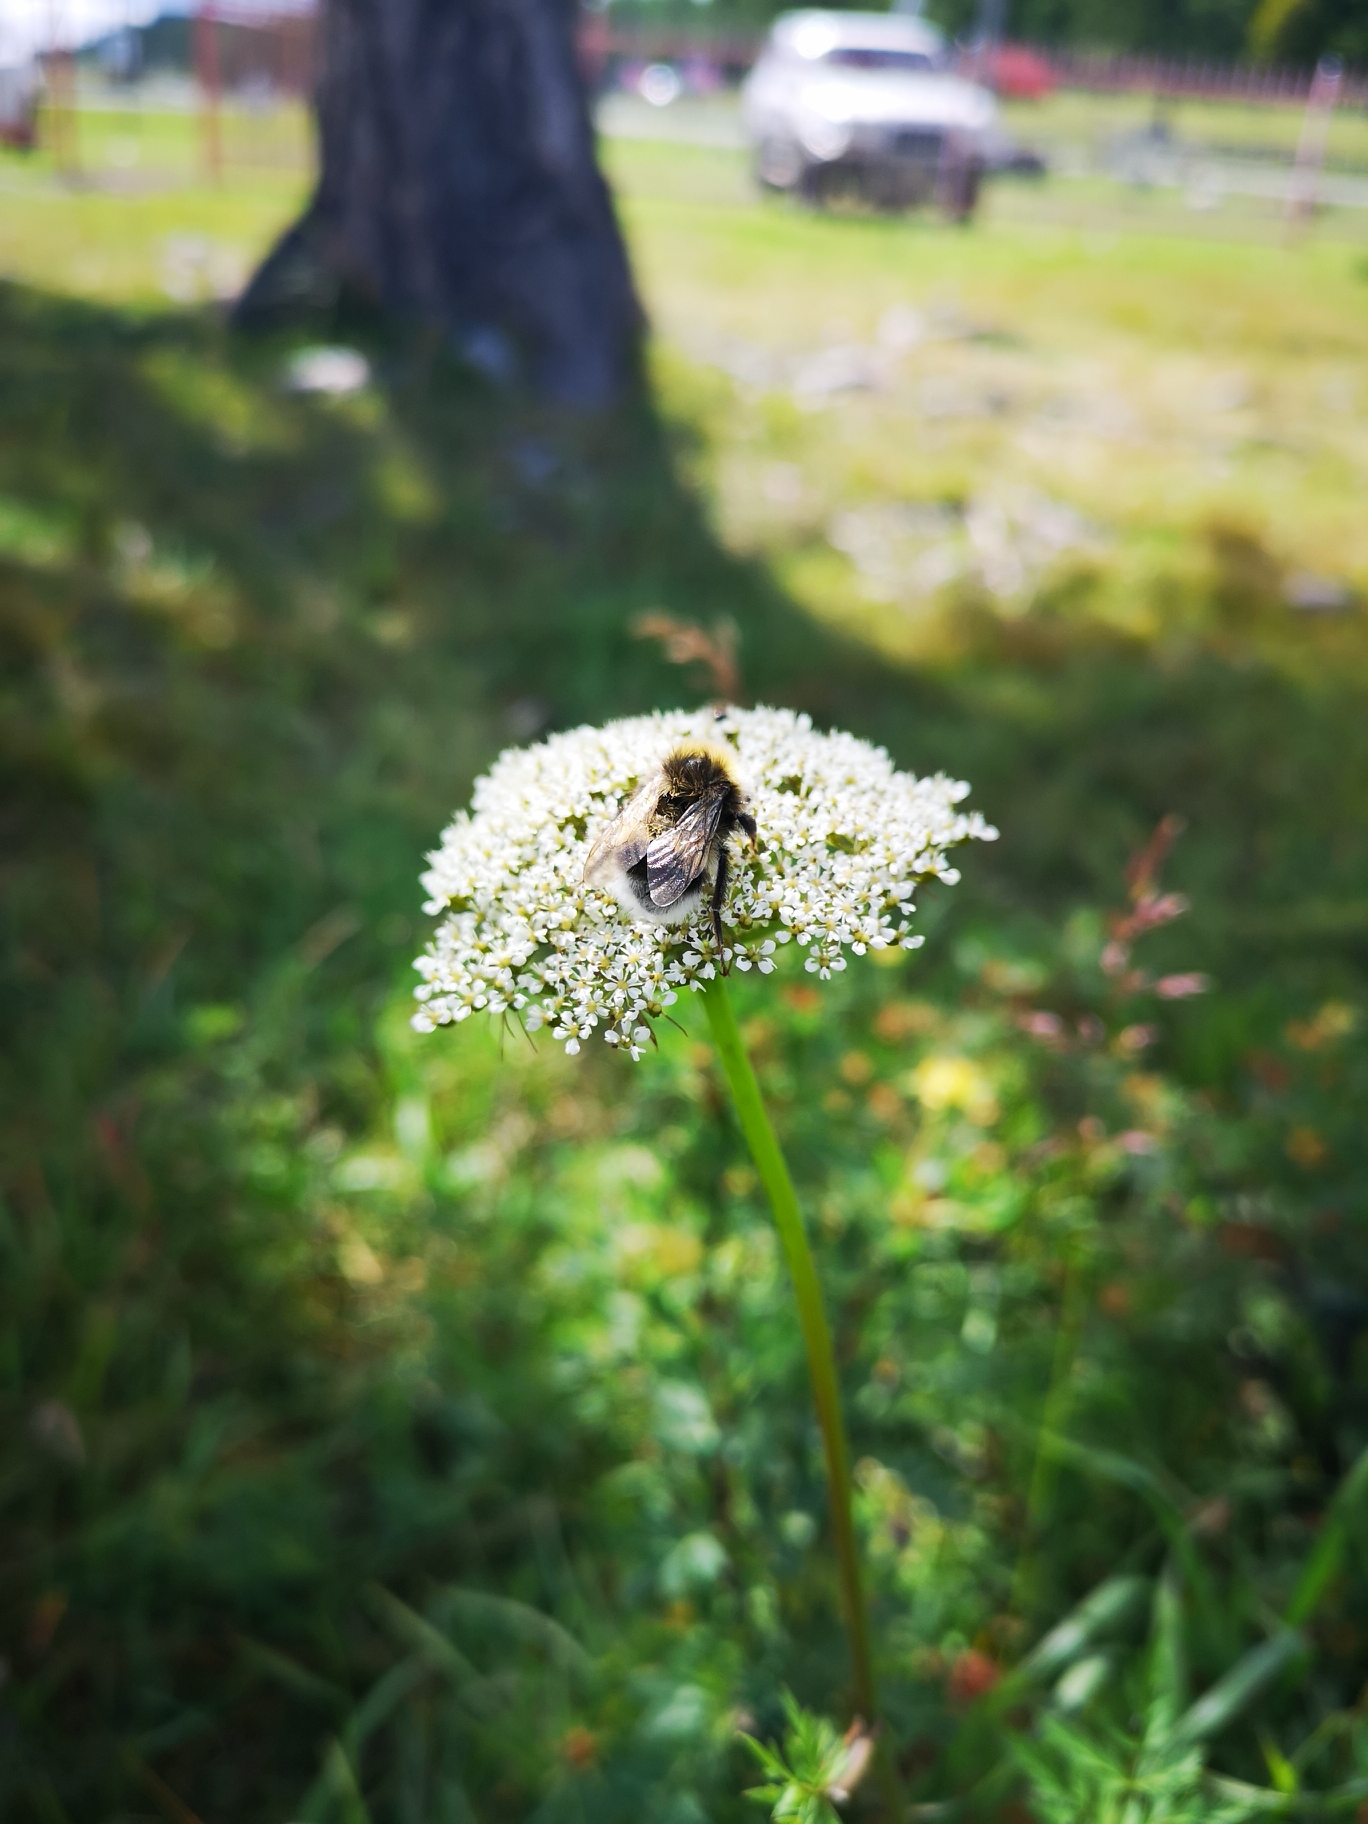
[459, 187]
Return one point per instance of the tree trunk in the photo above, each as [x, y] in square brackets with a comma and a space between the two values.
[459, 188]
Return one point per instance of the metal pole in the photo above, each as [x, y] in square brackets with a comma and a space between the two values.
[60, 65]
[207, 76]
[1320, 105]
[988, 40]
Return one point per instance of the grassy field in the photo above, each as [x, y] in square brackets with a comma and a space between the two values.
[1171, 395]
[411, 1429]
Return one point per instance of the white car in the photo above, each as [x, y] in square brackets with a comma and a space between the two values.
[862, 104]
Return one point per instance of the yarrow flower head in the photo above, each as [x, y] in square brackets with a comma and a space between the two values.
[843, 839]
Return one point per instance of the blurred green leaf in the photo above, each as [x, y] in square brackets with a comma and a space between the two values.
[1327, 1555]
[1235, 1689]
[1107, 1607]
[1168, 1660]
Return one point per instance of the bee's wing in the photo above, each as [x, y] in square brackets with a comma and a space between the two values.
[675, 859]
[628, 836]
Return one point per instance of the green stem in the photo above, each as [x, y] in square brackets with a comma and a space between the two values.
[826, 1393]
[1054, 1415]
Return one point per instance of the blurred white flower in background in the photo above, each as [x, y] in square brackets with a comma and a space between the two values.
[337, 371]
[843, 840]
[1006, 540]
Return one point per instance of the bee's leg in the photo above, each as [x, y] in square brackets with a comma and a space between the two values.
[719, 895]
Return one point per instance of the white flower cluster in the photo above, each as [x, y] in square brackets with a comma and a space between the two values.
[843, 838]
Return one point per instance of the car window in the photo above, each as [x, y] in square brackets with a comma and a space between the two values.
[856, 57]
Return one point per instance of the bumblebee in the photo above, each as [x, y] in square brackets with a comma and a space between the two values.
[667, 848]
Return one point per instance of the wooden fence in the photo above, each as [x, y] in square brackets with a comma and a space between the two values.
[604, 40]
[253, 47]
[1194, 78]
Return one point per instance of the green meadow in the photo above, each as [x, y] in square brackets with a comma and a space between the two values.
[414, 1429]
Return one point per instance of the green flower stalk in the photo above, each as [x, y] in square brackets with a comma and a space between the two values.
[812, 1318]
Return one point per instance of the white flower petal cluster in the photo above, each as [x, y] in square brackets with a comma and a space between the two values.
[843, 839]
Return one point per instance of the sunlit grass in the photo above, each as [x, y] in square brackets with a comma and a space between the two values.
[1168, 389]
[136, 220]
[1164, 387]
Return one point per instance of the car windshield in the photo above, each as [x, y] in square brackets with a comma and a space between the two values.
[859, 57]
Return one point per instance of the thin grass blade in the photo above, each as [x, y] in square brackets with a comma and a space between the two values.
[1236, 1688]
[1327, 1554]
[1168, 1667]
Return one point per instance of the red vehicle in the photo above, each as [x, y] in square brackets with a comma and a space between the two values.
[1016, 73]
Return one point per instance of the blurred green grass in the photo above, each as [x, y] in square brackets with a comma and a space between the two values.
[309, 1321]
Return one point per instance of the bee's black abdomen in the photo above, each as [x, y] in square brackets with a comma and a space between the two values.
[640, 884]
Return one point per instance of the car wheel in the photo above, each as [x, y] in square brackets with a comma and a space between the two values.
[778, 165]
[815, 186]
[958, 181]
[969, 191]
[884, 190]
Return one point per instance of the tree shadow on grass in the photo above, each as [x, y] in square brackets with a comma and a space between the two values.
[256, 648]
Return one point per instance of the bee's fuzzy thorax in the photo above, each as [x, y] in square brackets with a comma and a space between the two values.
[721, 757]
